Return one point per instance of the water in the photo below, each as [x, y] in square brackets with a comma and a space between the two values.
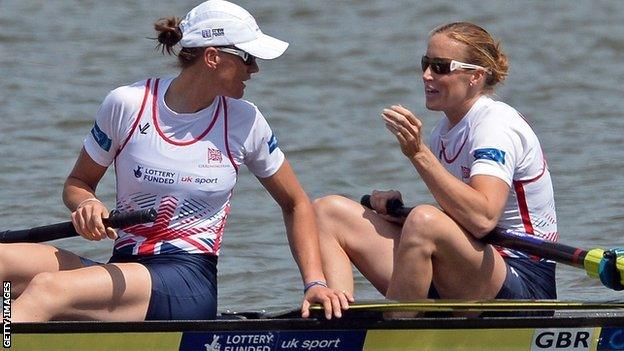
[347, 60]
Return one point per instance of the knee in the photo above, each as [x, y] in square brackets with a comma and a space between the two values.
[335, 216]
[330, 207]
[423, 217]
[421, 225]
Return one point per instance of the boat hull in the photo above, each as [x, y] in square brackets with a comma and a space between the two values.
[575, 330]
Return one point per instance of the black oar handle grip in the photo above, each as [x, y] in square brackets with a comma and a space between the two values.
[127, 219]
[394, 207]
[66, 229]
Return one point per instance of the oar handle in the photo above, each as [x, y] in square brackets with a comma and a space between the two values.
[394, 207]
[127, 219]
[66, 229]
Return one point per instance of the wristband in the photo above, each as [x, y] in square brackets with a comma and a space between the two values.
[314, 283]
[87, 200]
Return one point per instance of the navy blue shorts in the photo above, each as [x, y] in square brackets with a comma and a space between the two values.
[184, 286]
[525, 280]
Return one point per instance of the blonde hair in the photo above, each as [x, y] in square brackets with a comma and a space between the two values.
[482, 49]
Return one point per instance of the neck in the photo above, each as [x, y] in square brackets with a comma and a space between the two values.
[190, 92]
[457, 114]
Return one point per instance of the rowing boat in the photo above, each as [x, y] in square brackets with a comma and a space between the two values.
[416, 325]
[438, 325]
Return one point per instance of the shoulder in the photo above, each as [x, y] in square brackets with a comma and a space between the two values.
[500, 125]
[492, 111]
[120, 105]
[498, 115]
[131, 94]
[243, 114]
[239, 108]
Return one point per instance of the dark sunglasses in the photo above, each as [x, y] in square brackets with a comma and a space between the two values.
[248, 58]
[441, 65]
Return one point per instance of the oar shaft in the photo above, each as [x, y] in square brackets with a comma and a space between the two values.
[66, 229]
[535, 246]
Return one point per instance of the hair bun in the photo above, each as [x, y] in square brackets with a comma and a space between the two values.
[169, 33]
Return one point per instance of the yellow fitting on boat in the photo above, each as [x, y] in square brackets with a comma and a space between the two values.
[592, 262]
[619, 263]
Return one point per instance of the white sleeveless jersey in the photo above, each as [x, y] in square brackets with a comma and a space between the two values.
[494, 139]
[183, 165]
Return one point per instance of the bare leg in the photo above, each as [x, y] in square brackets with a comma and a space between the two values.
[108, 292]
[348, 232]
[434, 248]
[19, 263]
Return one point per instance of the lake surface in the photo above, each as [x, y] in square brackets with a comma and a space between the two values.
[347, 61]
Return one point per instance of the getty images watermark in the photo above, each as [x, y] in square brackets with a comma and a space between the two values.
[6, 314]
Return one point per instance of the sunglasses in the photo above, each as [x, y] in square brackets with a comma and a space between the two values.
[441, 65]
[248, 58]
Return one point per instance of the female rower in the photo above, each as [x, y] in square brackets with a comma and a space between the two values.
[485, 168]
[177, 144]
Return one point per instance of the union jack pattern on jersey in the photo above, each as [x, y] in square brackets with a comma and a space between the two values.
[189, 227]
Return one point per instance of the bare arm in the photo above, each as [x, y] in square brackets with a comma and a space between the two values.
[79, 197]
[476, 206]
[303, 238]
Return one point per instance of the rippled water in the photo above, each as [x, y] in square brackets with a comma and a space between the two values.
[347, 60]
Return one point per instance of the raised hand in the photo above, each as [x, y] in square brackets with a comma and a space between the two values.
[406, 127]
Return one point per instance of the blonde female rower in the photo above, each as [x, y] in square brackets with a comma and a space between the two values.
[485, 168]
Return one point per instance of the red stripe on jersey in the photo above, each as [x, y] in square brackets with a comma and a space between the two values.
[523, 207]
[443, 152]
[217, 243]
[125, 242]
[536, 177]
[138, 118]
[199, 245]
[146, 249]
[174, 142]
[225, 127]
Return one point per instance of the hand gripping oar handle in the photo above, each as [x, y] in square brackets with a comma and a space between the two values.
[66, 229]
[394, 207]
[606, 265]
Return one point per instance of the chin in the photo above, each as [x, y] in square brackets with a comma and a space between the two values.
[235, 95]
[433, 106]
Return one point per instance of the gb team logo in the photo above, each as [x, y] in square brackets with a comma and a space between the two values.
[209, 32]
[214, 156]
